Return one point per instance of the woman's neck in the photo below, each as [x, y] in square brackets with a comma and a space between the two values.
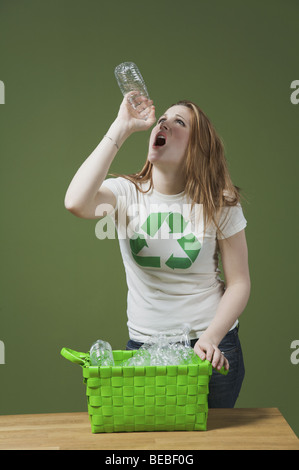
[167, 182]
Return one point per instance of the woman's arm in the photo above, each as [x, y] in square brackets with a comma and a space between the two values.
[84, 193]
[234, 255]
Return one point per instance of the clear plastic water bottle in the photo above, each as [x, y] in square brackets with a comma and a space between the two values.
[141, 357]
[185, 335]
[129, 79]
[101, 354]
[181, 336]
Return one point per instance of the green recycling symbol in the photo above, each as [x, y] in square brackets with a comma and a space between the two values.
[177, 224]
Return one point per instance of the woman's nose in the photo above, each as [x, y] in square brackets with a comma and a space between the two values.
[164, 125]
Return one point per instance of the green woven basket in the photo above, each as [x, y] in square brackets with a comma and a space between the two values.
[150, 398]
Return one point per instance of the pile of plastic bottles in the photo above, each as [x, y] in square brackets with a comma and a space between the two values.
[161, 350]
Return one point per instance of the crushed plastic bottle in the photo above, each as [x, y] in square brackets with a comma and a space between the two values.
[101, 354]
[170, 354]
[142, 357]
[129, 79]
[186, 334]
[164, 349]
[181, 336]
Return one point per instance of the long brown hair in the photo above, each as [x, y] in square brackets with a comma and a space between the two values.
[207, 178]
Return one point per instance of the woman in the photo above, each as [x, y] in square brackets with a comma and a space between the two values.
[189, 211]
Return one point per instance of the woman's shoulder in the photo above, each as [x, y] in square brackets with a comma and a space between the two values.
[118, 181]
[127, 186]
[230, 198]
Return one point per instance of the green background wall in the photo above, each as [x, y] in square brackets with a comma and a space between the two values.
[60, 285]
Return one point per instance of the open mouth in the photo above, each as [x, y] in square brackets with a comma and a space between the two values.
[160, 140]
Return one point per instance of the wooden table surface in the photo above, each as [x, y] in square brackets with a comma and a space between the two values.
[239, 428]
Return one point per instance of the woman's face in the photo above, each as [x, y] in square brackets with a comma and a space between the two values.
[169, 138]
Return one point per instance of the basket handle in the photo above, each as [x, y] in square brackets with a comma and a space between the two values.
[222, 371]
[74, 356]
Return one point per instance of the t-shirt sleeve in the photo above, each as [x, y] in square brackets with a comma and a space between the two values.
[123, 191]
[231, 221]
[119, 187]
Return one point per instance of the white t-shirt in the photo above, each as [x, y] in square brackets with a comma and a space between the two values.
[171, 266]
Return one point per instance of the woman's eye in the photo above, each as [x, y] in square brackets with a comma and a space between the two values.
[179, 121]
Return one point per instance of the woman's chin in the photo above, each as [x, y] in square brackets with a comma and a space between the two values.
[153, 158]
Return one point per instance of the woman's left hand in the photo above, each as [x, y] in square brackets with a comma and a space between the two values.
[205, 349]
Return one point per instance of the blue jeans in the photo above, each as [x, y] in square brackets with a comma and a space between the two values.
[223, 389]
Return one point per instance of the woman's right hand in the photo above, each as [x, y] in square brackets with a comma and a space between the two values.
[136, 112]
[85, 194]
